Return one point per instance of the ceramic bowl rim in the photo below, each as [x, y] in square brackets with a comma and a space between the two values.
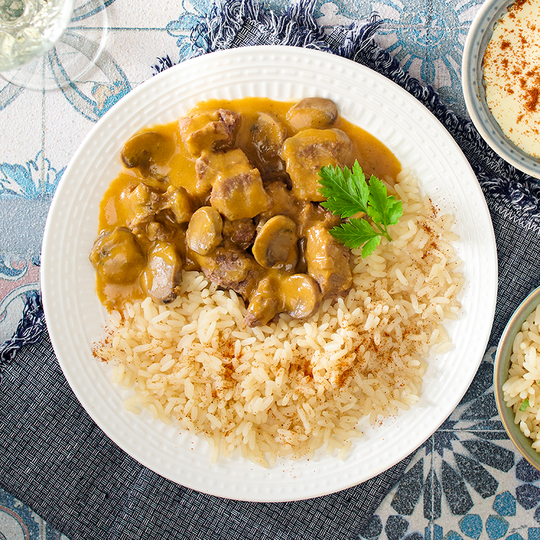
[500, 373]
[474, 89]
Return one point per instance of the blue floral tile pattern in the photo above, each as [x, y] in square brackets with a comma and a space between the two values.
[427, 39]
[35, 178]
[425, 36]
[26, 190]
[466, 481]
[18, 522]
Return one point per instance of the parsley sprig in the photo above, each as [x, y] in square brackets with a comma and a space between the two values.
[347, 193]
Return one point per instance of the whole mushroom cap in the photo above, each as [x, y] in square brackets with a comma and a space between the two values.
[276, 244]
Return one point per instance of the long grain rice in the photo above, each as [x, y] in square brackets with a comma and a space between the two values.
[521, 391]
[294, 386]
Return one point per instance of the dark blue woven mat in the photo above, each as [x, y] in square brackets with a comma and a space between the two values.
[56, 460]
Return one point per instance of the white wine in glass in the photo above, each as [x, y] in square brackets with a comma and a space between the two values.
[29, 28]
[33, 30]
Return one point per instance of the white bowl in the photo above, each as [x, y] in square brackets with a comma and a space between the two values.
[474, 89]
[500, 376]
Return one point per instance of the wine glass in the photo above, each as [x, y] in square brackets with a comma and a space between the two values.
[42, 42]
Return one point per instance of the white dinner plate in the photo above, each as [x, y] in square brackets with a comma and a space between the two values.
[76, 318]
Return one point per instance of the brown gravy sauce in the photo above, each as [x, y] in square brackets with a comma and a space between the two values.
[374, 157]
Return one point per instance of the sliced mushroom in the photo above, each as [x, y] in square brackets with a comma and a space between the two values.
[301, 296]
[297, 295]
[265, 303]
[301, 265]
[267, 137]
[312, 113]
[189, 264]
[117, 256]
[275, 244]
[179, 202]
[162, 275]
[146, 150]
[204, 230]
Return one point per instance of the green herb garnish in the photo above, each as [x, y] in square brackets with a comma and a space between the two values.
[347, 193]
[524, 405]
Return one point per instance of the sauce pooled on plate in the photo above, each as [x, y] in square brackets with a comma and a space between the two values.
[232, 190]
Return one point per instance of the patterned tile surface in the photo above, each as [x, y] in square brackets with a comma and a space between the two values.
[18, 522]
[466, 481]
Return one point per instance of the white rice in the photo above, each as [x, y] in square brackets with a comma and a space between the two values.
[292, 387]
[522, 389]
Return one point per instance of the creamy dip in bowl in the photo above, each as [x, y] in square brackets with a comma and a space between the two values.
[501, 72]
[512, 75]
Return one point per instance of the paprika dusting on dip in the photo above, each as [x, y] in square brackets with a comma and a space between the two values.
[512, 75]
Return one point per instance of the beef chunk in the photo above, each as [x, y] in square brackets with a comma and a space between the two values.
[312, 213]
[231, 268]
[213, 165]
[240, 232]
[211, 131]
[282, 202]
[307, 152]
[238, 192]
[327, 261]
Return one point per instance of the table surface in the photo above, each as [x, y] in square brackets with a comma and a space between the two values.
[466, 481]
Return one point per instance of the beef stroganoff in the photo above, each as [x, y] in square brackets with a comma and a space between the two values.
[234, 310]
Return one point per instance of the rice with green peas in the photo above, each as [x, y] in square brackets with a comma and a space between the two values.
[522, 389]
[292, 387]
